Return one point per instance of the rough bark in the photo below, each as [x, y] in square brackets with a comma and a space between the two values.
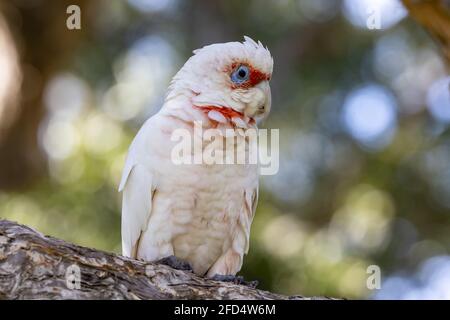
[434, 16]
[34, 266]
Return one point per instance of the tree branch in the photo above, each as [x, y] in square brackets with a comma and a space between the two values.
[34, 266]
[434, 16]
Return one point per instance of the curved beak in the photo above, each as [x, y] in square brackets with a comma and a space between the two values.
[265, 87]
[261, 102]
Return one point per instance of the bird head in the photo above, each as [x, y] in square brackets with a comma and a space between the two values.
[228, 81]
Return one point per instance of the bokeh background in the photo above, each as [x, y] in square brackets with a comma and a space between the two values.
[363, 115]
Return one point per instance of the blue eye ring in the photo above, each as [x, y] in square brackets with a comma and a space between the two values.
[241, 74]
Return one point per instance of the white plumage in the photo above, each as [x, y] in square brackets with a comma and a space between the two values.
[200, 213]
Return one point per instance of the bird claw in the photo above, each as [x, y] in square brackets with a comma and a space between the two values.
[235, 279]
[175, 263]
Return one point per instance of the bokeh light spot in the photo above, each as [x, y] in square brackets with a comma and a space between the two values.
[438, 100]
[369, 115]
[390, 12]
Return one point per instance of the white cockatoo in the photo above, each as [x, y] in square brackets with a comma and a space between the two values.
[197, 213]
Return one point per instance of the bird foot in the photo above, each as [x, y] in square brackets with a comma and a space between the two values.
[175, 263]
[235, 279]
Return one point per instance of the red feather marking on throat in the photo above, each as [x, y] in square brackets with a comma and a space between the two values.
[227, 112]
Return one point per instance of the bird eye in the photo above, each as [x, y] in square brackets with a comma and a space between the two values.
[240, 75]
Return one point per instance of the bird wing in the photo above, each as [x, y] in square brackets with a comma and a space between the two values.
[138, 188]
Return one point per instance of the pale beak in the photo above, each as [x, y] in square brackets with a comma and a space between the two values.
[265, 87]
[261, 102]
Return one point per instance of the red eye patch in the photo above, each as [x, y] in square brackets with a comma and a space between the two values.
[255, 77]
